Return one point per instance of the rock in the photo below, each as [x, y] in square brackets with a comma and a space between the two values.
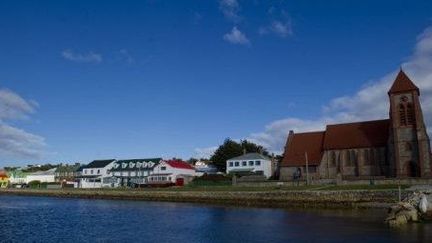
[423, 205]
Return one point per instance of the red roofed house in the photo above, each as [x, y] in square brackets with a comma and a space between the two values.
[172, 172]
[394, 147]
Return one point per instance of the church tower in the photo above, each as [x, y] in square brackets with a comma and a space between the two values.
[409, 147]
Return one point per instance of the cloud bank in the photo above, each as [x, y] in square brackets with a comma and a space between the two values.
[89, 57]
[236, 37]
[369, 103]
[15, 142]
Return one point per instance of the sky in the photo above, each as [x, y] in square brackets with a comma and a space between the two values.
[85, 80]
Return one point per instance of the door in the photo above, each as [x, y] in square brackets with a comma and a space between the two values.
[180, 182]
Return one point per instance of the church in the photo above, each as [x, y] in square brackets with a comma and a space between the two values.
[397, 147]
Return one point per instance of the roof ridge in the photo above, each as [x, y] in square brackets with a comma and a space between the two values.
[350, 123]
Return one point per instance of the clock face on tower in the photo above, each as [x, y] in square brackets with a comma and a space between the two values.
[404, 99]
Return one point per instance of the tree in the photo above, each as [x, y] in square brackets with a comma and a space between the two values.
[230, 149]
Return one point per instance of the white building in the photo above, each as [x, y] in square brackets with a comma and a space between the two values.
[134, 172]
[172, 172]
[97, 174]
[250, 163]
[42, 176]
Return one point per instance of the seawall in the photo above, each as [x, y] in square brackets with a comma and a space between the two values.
[280, 199]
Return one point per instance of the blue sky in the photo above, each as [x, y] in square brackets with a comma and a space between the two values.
[127, 79]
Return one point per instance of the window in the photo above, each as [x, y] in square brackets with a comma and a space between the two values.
[408, 146]
[98, 172]
[91, 172]
[163, 168]
[231, 164]
[257, 163]
[406, 112]
[85, 171]
[236, 163]
[251, 163]
[244, 163]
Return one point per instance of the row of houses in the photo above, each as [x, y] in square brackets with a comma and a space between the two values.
[114, 173]
[109, 173]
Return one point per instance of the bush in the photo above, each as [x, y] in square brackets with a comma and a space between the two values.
[34, 184]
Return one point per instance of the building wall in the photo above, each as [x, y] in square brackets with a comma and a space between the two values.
[41, 178]
[171, 170]
[265, 166]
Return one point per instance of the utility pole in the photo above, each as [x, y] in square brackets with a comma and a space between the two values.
[307, 168]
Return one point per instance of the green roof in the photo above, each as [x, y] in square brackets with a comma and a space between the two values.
[135, 164]
[251, 156]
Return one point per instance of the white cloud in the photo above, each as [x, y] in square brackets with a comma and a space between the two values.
[370, 102]
[282, 29]
[205, 152]
[12, 106]
[15, 142]
[230, 9]
[126, 56]
[89, 57]
[236, 37]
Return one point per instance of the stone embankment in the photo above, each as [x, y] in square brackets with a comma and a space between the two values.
[415, 207]
[275, 198]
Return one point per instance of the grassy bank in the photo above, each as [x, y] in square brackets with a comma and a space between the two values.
[301, 196]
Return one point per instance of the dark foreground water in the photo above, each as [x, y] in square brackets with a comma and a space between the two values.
[44, 219]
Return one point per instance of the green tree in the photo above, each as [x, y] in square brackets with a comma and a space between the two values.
[230, 149]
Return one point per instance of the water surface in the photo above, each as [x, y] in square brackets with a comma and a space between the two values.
[45, 219]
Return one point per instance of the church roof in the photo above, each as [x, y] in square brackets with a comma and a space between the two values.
[402, 83]
[357, 135]
[300, 143]
[339, 136]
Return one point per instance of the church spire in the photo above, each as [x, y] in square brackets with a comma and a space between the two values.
[402, 83]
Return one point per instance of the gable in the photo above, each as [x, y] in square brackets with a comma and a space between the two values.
[301, 143]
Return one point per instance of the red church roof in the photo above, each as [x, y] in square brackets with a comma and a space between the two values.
[340, 136]
[180, 164]
[402, 84]
[301, 143]
[357, 135]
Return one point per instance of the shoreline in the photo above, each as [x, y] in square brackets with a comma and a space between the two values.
[355, 199]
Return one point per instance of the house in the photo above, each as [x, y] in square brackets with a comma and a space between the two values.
[47, 176]
[174, 172]
[205, 167]
[4, 179]
[250, 163]
[395, 147]
[97, 174]
[17, 177]
[66, 174]
[133, 171]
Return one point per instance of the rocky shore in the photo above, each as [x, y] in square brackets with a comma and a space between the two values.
[276, 198]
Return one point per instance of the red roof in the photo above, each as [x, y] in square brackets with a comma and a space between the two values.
[340, 136]
[402, 84]
[3, 174]
[357, 135]
[179, 164]
[300, 143]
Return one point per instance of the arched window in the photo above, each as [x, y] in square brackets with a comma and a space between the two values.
[408, 146]
[402, 115]
[406, 112]
[410, 114]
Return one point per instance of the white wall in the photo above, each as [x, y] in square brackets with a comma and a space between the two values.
[265, 166]
[41, 178]
[172, 170]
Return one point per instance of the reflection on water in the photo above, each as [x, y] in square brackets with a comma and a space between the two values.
[31, 219]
